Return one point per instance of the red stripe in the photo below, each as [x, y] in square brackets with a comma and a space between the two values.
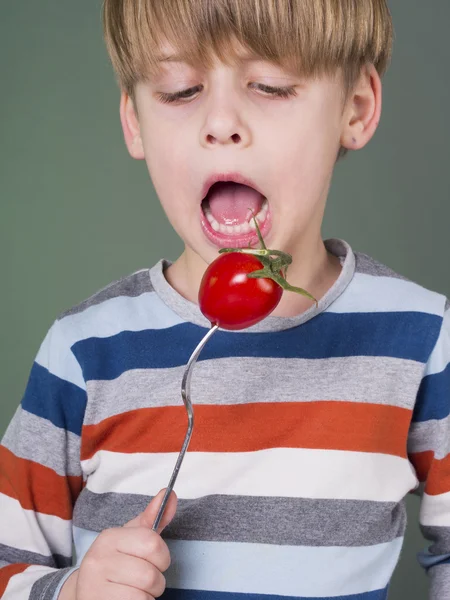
[436, 472]
[36, 487]
[7, 572]
[248, 427]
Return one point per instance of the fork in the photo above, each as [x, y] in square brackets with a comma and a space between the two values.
[186, 395]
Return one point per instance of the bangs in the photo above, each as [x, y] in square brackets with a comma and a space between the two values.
[308, 37]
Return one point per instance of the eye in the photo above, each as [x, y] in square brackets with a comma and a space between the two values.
[280, 92]
[180, 97]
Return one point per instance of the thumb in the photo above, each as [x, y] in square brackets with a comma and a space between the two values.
[148, 516]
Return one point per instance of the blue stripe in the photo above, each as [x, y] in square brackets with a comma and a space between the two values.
[246, 570]
[427, 560]
[433, 398]
[409, 335]
[54, 399]
[173, 594]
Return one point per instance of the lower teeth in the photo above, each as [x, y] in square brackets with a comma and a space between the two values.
[245, 227]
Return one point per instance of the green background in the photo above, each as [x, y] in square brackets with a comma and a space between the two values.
[77, 212]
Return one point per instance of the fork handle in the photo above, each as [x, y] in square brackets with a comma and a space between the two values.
[186, 395]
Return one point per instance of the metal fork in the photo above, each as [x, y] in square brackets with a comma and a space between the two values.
[186, 395]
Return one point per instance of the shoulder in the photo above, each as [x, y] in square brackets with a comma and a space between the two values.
[370, 266]
[398, 292]
[126, 304]
[130, 286]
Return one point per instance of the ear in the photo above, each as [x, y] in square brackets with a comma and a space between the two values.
[363, 110]
[130, 127]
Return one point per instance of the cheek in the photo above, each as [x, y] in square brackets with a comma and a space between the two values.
[162, 154]
[310, 128]
[171, 175]
[305, 151]
[303, 160]
[318, 145]
[159, 169]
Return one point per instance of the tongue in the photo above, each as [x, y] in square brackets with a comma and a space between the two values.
[231, 203]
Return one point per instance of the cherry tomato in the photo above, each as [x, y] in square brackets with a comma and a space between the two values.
[230, 299]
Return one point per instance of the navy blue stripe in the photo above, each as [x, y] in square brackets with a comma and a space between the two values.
[54, 399]
[427, 560]
[173, 594]
[433, 398]
[409, 335]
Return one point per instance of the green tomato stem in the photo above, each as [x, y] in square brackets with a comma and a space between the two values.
[263, 273]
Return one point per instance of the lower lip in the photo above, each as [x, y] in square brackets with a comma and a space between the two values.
[243, 240]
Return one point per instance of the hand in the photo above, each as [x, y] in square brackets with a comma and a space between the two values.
[125, 563]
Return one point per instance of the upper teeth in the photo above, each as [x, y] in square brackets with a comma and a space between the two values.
[245, 227]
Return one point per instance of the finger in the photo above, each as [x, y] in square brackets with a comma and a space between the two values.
[117, 591]
[144, 543]
[136, 573]
[148, 516]
[169, 512]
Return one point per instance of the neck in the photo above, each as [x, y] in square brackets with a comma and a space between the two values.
[312, 268]
[316, 271]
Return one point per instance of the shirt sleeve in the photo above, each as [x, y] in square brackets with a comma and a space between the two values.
[40, 475]
[429, 452]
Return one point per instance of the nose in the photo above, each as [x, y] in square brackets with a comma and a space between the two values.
[224, 126]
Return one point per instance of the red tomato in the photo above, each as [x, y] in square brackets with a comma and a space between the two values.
[230, 299]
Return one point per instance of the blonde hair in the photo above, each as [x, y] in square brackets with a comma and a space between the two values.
[309, 37]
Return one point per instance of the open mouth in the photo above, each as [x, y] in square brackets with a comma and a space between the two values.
[227, 214]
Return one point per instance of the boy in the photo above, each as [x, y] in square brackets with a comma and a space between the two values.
[311, 426]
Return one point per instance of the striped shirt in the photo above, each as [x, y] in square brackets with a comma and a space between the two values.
[309, 433]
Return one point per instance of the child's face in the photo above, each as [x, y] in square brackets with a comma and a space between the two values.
[287, 146]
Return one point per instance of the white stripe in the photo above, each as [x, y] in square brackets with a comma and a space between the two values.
[272, 569]
[435, 510]
[34, 532]
[368, 293]
[284, 472]
[109, 318]
[440, 357]
[19, 586]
